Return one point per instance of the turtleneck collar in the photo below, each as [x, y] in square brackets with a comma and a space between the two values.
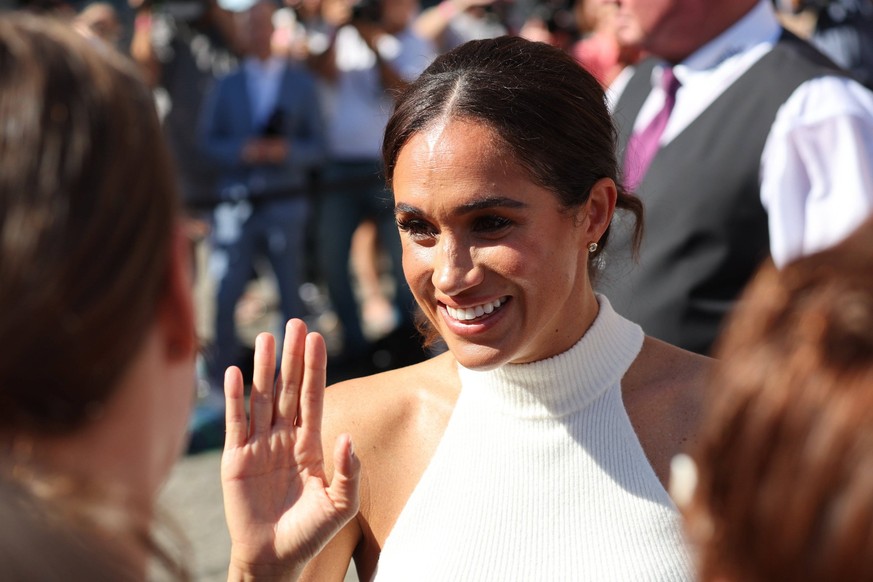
[564, 383]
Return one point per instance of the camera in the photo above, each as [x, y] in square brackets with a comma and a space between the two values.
[274, 127]
[367, 11]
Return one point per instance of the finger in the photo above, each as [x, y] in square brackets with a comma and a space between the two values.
[343, 489]
[261, 400]
[291, 374]
[312, 388]
[234, 409]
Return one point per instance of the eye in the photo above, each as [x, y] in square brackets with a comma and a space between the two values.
[491, 224]
[416, 228]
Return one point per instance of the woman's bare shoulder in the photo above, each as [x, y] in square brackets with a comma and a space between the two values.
[664, 367]
[396, 420]
[395, 415]
[664, 391]
[379, 401]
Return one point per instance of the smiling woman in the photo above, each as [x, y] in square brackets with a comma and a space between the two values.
[537, 446]
[474, 237]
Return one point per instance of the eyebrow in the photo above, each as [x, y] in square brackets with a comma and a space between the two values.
[473, 206]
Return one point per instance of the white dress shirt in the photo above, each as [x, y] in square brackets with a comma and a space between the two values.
[817, 163]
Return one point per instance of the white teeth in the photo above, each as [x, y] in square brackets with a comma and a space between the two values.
[466, 314]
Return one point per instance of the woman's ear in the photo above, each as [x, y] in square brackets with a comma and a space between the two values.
[598, 210]
[176, 308]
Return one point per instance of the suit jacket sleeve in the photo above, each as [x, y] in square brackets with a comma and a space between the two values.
[307, 142]
[217, 137]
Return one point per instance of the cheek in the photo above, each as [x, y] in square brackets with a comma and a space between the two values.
[662, 15]
[417, 265]
[517, 260]
[559, 268]
[510, 263]
[183, 399]
[644, 12]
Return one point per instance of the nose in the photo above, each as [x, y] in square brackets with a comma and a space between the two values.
[455, 268]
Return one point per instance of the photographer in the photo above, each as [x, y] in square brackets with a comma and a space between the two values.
[367, 59]
[182, 46]
[841, 29]
[844, 32]
[261, 127]
[451, 23]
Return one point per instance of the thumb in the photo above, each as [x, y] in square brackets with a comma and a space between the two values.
[343, 489]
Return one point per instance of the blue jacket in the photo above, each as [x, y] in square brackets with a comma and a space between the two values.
[226, 124]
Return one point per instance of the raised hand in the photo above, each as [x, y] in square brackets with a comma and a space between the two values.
[279, 507]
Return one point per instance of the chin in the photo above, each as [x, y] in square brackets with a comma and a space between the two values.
[479, 358]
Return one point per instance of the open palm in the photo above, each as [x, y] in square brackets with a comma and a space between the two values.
[279, 507]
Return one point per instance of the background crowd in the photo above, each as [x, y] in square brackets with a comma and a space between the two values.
[745, 145]
[274, 113]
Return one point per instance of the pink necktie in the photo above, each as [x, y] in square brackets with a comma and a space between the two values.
[643, 145]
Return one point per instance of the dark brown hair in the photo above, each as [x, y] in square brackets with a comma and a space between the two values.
[548, 110]
[87, 207]
[785, 461]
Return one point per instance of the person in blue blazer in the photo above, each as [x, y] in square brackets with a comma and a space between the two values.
[262, 126]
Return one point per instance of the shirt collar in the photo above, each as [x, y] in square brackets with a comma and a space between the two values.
[270, 66]
[759, 27]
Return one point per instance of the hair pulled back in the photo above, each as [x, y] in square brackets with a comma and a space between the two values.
[549, 111]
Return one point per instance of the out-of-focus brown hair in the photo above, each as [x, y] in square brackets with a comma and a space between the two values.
[40, 540]
[785, 461]
[87, 207]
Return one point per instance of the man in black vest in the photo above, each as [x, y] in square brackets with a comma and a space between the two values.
[743, 142]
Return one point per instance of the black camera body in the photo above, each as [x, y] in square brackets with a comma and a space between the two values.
[274, 127]
[367, 11]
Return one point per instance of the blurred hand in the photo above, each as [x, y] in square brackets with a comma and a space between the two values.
[465, 4]
[265, 150]
[370, 32]
[336, 12]
[275, 150]
[279, 507]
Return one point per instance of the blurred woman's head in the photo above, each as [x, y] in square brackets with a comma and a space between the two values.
[40, 541]
[785, 462]
[91, 263]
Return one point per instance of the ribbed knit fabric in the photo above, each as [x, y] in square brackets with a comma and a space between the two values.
[540, 476]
